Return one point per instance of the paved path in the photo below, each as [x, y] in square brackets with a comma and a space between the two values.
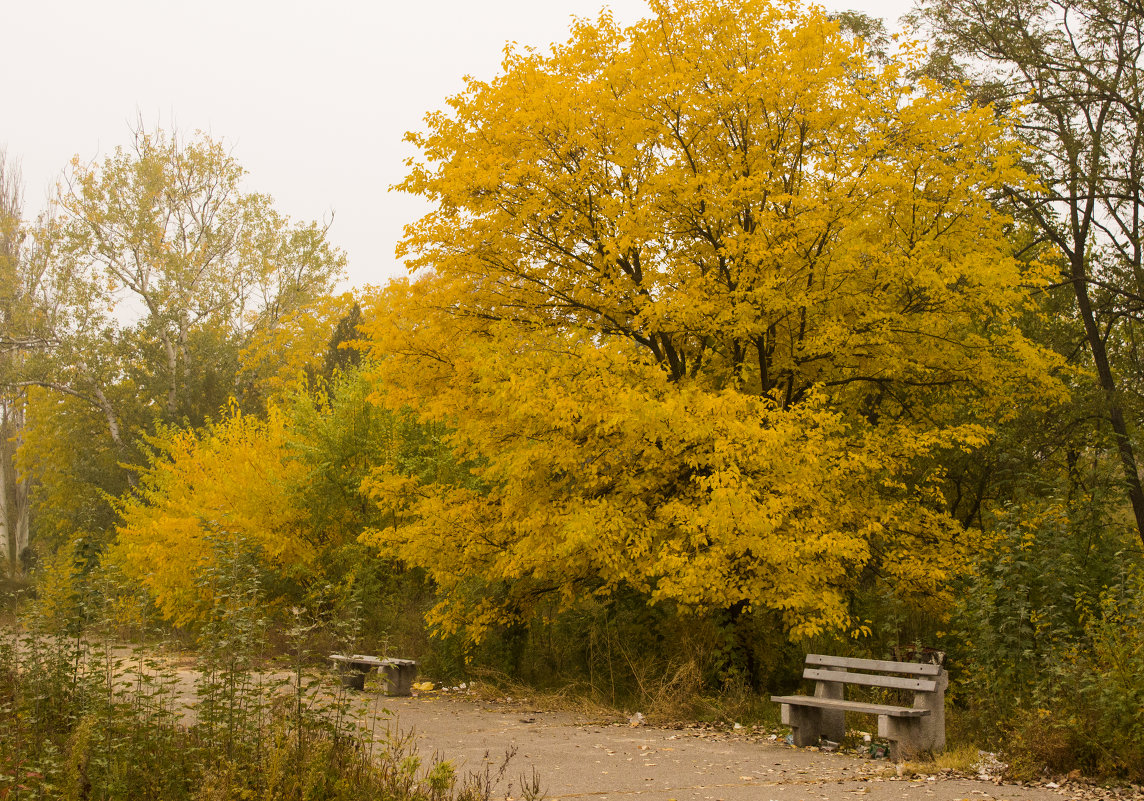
[577, 759]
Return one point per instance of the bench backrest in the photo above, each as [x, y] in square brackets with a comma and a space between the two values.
[819, 669]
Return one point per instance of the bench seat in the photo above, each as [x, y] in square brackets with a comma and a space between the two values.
[851, 706]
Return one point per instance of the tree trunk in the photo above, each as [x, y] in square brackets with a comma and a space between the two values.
[20, 518]
[104, 405]
[173, 374]
[22, 521]
[1108, 390]
[8, 534]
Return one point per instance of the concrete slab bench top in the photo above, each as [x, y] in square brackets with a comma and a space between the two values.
[360, 661]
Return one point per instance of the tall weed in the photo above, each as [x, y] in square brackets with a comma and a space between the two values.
[84, 717]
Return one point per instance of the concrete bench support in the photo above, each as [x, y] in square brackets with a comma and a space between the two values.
[354, 668]
[398, 675]
[808, 724]
[920, 734]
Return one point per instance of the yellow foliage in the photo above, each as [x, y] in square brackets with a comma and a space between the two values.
[599, 473]
[69, 500]
[58, 587]
[704, 299]
[281, 354]
[202, 490]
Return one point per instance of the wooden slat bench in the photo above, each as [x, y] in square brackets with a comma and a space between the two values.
[910, 729]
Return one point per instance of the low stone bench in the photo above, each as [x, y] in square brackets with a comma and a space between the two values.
[397, 674]
[910, 729]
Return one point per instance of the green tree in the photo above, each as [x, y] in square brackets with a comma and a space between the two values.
[1073, 70]
[155, 268]
[165, 266]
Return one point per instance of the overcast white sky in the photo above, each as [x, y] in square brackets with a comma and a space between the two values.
[313, 97]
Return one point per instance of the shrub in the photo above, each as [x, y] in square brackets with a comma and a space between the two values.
[1048, 641]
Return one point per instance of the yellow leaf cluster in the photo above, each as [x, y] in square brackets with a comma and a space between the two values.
[57, 428]
[281, 355]
[597, 472]
[228, 484]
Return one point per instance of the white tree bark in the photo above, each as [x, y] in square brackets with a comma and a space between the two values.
[7, 534]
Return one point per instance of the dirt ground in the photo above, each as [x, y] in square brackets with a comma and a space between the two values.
[577, 756]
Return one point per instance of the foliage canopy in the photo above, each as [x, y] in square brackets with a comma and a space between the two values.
[705, 300]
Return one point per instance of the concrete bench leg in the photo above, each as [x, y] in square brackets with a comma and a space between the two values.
[809, 723]
[805, 723]
[893, 730]
[354, 680]
[398, 677]
[910, 736]
[833, 720]
[932, 731]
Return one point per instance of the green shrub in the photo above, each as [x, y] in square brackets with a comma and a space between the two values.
[1047, 644]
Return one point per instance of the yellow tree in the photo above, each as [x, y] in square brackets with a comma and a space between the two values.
[230, 485]
[706, 300]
